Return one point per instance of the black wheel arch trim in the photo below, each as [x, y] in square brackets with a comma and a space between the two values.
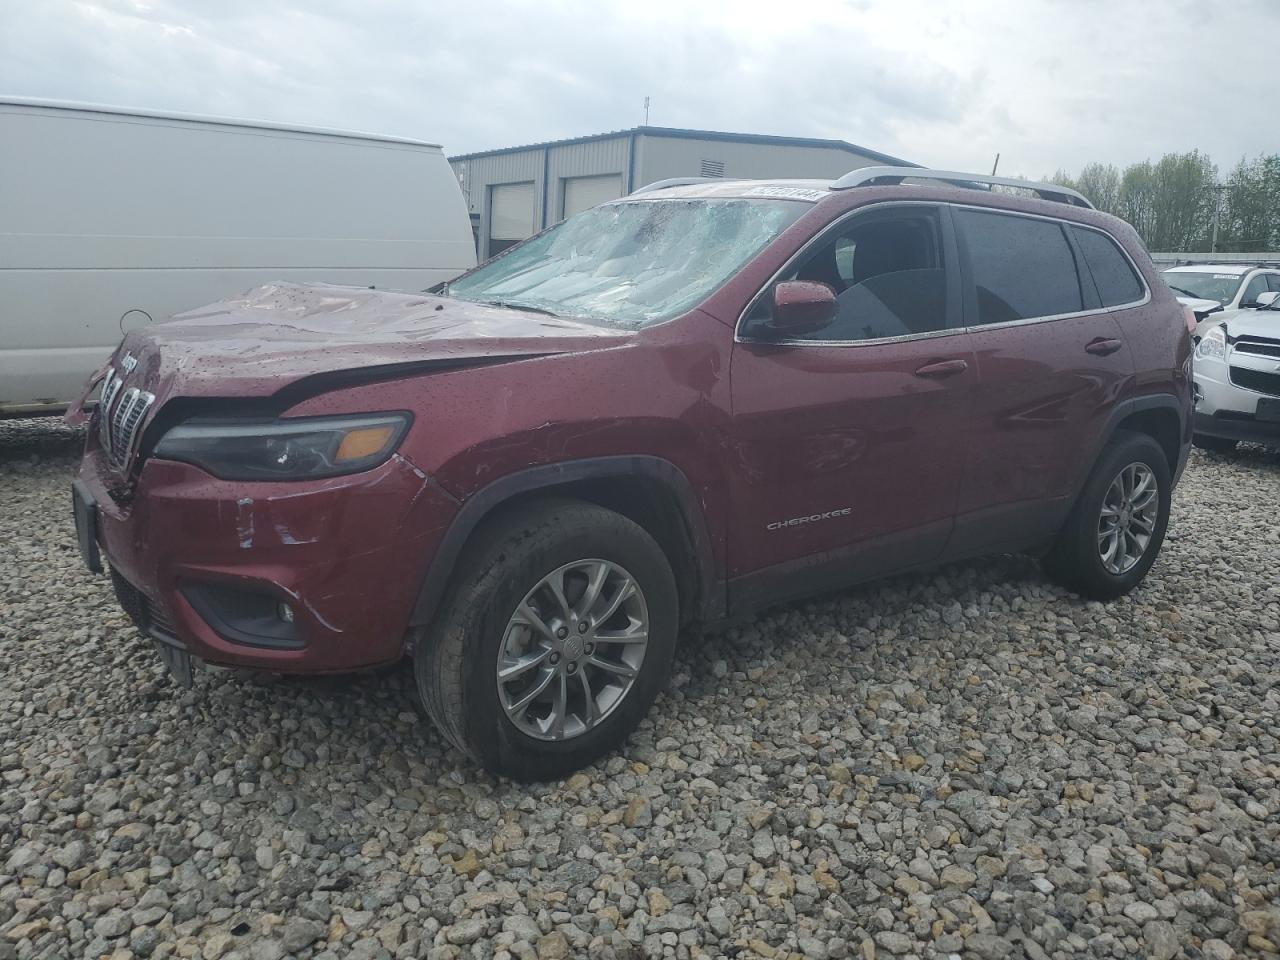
[710, 590]
[1127, 408]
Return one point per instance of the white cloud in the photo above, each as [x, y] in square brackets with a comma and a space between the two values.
[1048, 84]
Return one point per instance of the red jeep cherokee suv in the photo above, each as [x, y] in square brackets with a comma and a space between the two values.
[671, 409]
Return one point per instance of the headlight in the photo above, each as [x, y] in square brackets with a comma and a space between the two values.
[300, 449]
[1212, 346]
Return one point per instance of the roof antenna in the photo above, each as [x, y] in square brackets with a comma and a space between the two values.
[646, 111]
[994, 165]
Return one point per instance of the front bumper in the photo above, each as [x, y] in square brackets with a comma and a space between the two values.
[1226, 410]
[347, 555]
[1240, 427]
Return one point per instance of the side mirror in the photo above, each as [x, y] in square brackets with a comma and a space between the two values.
[1265, 300]
[802, 306]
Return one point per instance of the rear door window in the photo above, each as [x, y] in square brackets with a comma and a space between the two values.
[1112, 273]
[1021, 267]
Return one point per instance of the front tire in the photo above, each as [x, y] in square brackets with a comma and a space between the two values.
[555, 639]
[1117, 526]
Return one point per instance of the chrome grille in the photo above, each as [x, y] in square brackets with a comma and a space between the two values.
[120, 416]
[110, 387]
[1258, 346]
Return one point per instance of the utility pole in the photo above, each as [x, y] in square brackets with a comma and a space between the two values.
[646, 111]
[1218, 189]
[994, 165]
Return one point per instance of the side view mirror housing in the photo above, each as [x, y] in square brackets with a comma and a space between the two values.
[801, 306]
[1266, 300]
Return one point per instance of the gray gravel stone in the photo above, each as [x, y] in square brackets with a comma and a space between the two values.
[969, 761]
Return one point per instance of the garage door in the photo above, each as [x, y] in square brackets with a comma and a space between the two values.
[580, 193]
[510, 215]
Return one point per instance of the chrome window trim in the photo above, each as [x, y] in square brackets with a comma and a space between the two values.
[949, 331]
[1049, 318]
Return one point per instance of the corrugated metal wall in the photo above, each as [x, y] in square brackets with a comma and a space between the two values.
[479, 174]
[658, 158]
[546, 168]
[655, 158]
[589, 159]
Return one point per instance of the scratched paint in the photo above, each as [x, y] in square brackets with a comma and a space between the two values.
[288, 539]
[416, 472]
[244, 522]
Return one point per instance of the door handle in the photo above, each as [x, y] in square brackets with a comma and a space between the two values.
[1103, 346]
[942, 368]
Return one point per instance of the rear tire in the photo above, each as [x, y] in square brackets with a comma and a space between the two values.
[523, 604]
[1221, 445]
[1117, 526]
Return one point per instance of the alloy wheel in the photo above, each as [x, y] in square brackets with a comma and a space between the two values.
[1128, 518]
[572, 650]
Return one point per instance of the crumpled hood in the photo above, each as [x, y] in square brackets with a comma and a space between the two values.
[275, 335]
[1253, 323]
[1200, 307]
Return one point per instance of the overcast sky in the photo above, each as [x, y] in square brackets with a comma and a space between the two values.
[1048, 84]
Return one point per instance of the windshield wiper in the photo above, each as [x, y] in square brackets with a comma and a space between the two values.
[1188, 293]
[520, 305]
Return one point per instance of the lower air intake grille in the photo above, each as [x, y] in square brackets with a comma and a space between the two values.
[1257, 380]
[146, 614]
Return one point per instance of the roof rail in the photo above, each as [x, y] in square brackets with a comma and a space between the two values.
[870, 176]
[673, 182]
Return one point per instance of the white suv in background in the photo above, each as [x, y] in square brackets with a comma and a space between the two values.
[1237, 377]
[1212, 288]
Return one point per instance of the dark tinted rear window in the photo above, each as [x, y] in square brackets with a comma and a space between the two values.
[1021, 267]
[1112, 275]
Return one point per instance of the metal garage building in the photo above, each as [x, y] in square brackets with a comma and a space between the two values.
[514, 192]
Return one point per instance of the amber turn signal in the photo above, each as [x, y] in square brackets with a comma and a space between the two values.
[363, 442]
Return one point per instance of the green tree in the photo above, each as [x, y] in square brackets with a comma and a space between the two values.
[1136, 203]
[1251, 206]
[1100, 182]
[1184, 200]
[1169, 202]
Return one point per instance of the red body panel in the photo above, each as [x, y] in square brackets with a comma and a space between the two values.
[819, 428]
[1041, 399]
[926, 468]
[339, 550]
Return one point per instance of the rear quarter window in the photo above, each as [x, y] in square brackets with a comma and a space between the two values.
[1021, 267]
[1112, 274]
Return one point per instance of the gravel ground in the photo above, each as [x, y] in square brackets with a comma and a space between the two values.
[969, 762]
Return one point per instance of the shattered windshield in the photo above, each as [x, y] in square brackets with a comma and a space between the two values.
[631, 263]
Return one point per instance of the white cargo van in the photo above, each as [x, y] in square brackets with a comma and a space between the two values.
[113, 218]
